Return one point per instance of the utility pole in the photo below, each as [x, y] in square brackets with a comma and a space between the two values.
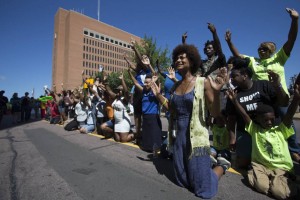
[98, 10]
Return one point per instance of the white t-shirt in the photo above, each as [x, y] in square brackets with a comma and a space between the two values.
[121, 117]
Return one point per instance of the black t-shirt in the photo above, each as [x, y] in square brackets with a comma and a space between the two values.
[260, 92]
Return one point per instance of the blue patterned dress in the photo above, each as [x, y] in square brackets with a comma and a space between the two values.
[194, 173]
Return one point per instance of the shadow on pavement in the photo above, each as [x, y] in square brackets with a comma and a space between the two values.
[164, 167]
[7, 122]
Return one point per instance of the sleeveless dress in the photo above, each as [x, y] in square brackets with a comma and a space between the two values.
[195, 172]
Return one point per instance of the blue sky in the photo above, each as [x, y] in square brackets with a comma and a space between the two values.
[27, 30]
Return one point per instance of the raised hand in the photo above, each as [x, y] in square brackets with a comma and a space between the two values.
[105, 76]
[145, 60]
[293, 13]
[121, 76]
[102, 87]
[171, 73]
[228, 36]
[132, 41]
[155, 88]
[183, 37]
[231, 94]
[211, 27]
[220, 80]
[274, 78]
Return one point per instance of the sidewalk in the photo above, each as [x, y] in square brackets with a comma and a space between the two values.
[297, 116]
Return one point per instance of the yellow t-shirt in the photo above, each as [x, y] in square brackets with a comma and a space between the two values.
[269, 147]
[274, 63]
[90, 81]
[220, 137]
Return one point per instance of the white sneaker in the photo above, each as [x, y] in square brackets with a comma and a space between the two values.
[223, 162]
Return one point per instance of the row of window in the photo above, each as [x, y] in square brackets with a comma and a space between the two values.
[106, 61]
[103, 45]
[103, 37]
[91, 72]
[102, 53]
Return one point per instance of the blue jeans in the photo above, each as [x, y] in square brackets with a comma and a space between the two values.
[292, 140]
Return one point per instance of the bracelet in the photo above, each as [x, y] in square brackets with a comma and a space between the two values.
[164, 102]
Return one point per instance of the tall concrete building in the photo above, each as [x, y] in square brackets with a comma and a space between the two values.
[83, 44]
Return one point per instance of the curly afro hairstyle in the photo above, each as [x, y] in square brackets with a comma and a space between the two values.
[192, 54]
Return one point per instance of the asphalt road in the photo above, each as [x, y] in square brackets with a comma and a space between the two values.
[42, 161]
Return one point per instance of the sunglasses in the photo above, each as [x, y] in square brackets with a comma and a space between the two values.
[263, 49]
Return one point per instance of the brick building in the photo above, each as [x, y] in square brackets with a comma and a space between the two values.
[82, 43]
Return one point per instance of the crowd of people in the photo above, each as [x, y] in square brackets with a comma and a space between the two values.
[243, 101]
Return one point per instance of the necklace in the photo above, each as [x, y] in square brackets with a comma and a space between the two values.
[188, 85]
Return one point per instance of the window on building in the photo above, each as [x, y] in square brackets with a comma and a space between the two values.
[102, 38]
[91, 34]
[85, 32]
[107, 39]
[97, 36]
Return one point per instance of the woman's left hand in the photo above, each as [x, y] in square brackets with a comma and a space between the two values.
[220, 80]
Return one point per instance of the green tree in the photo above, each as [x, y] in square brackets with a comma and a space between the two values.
[292, 81]
[114, 81]
[149, 47]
